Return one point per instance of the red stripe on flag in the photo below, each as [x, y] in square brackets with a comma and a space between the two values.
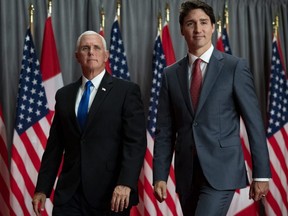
[40, 134]
[170, 203]
[22, 169]
[150, 193]
[279, 185]
[285, 137]
[273, 203]
[19, 196]
[280, 156]
[30, 150]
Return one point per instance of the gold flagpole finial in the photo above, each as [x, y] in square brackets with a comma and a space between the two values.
[102, 18]
[219, 25]
[31, 19]
[276, 26]
[118, 8]
[226, 13]
[167, 9]
[226, 17]
[49, 8]
[159, 23]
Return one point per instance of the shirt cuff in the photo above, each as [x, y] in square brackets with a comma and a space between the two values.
[261, 179]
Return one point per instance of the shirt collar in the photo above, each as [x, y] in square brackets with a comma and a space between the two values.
[204, 57]
[96, 80]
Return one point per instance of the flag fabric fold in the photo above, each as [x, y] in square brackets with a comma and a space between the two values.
[117, 58]
[4, 171]
[277, 134]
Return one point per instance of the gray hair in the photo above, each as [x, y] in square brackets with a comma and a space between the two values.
[90, 33]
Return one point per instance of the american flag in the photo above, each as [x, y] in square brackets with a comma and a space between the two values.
[4, 171]
[30, 132]
[118, 62]
[223, 41]
[277, 134]
[148, 204]
[241, 205]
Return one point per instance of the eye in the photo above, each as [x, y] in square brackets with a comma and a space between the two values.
[85, 48]
[189, 24]
[96, 47]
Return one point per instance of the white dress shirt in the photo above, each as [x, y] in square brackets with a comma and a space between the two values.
[96, 83]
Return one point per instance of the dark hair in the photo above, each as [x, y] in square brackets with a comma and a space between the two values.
[187, 6]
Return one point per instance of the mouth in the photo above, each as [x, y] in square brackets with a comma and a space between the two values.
[198, 37]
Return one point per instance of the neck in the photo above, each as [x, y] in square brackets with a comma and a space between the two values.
[90, 74]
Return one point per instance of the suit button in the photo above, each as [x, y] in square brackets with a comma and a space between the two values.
[195, 124]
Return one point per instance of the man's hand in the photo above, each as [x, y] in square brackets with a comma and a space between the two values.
[258, 190]
[38, 203]
[120, 198]
[160, 190]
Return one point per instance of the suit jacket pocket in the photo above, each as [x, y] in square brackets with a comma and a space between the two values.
[230, 142]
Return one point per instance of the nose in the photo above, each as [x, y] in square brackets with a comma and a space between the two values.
[197, 27]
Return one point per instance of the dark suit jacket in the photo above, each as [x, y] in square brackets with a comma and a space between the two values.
[227, 93]
[110, 150]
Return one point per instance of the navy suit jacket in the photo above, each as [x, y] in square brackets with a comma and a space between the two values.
[108, 152]
[227, 93]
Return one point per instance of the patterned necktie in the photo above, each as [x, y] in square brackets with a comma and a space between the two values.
[83, 105]
[196, 83]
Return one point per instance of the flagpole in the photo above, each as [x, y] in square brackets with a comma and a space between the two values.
[31, 19]
[276, 26]
[219, 25]
[159, 24]
[102, 18]
[226, 14]
[167, 8]
[49, 8]
[118, 10]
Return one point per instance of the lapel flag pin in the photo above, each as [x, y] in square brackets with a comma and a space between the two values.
[103, 89]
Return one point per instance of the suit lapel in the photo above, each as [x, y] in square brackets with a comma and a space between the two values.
[103, 90]
[183, 80]
[213, 70]
[72, 101]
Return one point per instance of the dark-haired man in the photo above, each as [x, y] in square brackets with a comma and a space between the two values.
[201, 100]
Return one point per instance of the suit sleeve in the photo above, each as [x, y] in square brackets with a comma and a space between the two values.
[134, 138]
[51, 159]
[249, 109]
[164, 136]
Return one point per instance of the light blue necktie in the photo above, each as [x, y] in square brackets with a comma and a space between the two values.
[83, 105]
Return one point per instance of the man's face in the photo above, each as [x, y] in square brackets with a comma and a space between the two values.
[197, 30]
[91, 53]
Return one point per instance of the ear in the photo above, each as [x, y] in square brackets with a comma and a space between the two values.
[213, 28]
[107, 54]
[181, 29]
[77, 55]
